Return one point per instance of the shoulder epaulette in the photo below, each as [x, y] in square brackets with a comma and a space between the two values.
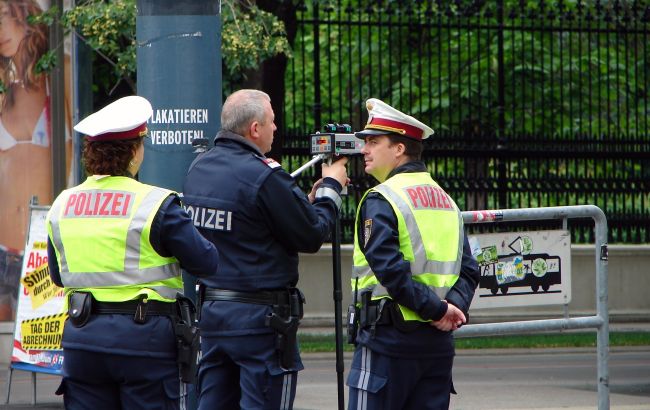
[270, 162]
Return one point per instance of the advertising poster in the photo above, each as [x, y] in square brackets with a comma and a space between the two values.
[39, 321]
[25, 135]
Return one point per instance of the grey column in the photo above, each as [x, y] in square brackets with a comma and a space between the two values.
[179, 71]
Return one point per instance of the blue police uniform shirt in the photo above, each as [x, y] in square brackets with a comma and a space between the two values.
[393, 272]
[259, 219]
[172, 234]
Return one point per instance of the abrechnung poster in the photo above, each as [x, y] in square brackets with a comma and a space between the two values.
[39, 321]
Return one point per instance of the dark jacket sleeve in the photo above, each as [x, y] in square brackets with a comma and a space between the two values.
[53, 264]
[299, 225]
[461, 294]
[173, 234]
[388, 263]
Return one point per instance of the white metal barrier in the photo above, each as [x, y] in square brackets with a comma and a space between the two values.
[600, 321]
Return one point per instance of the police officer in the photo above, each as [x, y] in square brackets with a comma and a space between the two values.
[248, 206]
[115, 245]
[414, 276]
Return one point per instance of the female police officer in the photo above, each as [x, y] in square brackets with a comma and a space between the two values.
[115, 244]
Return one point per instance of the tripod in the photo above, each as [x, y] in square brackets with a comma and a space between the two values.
[337, 294]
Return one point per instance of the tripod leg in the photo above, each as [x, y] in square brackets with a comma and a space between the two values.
[33, 388]
[338, 322]
[9, 375]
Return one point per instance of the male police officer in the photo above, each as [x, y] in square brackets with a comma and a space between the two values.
[115, 244]
[252, 210]
[414, 275]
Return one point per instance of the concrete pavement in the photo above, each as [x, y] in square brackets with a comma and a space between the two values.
[512, 379]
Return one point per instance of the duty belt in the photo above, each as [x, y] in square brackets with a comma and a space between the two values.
[386, 312]
[264, 297]
[372, 314]
[152, 307]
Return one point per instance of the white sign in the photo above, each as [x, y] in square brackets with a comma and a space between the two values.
[39, 317]
[522, 268]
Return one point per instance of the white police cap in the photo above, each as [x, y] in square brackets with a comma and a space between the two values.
[123, 119]
[384, 119]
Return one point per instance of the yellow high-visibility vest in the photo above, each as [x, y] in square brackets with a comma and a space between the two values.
[100, 232]
[431, 236]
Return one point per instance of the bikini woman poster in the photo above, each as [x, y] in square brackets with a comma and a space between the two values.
[25, 137]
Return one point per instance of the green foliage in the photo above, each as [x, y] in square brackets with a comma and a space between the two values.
[566, 69]
[567, 339]
[46, 63]
[327, 342]
[249, 36]
[109, 29]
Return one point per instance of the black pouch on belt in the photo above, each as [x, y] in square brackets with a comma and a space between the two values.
[296, 300]
[286, 328]
[188, 341]
[79, 308]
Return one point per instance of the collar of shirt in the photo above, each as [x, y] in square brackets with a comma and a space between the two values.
[413, 166]
[229, 135]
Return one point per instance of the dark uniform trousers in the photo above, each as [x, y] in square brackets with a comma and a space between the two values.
[114, 363]
[379, 382]
[98, 381]
[242, 372]
[240, 365]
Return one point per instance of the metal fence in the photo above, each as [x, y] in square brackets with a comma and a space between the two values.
[532, 105]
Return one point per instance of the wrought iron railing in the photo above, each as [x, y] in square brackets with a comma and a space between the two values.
[534, 103]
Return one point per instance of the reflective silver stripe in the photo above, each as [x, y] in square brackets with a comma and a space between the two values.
[363, 271]
[359, 272]
[461, 239]
[327, 192]
[285, 402]
[134, 232]
[183, 396]
[168, 293]
[102, 279]
[364, 378]
[56, 235]
[378, 290]
[131, 257]
[421, 264]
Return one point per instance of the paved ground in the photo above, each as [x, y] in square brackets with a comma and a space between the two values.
[541, 379]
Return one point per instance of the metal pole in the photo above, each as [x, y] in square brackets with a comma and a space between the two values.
[317, 95]
[337, 293]
[602, 340]
[10, 374]
[338, 323]
[501, 108]
[57, 105]
[313, 161]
